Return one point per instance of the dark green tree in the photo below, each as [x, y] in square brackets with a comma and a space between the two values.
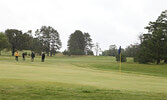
[55, 42]
[26, 39]
[76, 43]
[88, 44]
[36, 45]
[153, 45]
[14, 37]
[17, 39]
[158, 30]
[104, 53]
[111, 52]
[131, 50]
[90, 52]
[49, 38]
[4, 43]
[65, 52]
[144, 51]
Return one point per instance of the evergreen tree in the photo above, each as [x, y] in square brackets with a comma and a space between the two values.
[153, 45]
[76, 43]
[158, 30]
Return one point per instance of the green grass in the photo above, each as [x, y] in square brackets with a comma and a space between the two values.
[35, 90]
[80, 78]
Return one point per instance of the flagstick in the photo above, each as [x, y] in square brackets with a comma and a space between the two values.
[120, 63]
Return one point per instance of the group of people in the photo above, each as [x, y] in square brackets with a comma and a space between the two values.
[32, 56]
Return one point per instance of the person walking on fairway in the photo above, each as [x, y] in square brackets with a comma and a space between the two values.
[32, 56]
[16, 56]
[43, 57]
[23, 55]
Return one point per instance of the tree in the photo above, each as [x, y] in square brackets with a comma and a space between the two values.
[14, 38]
[36, 45]
[130, 51]
[144, 52]
[17, 40]
[49, 38]
[105, 53]
[90, 52]
[26, 39]
[55, 42]
[65, 52]
[4, 43]
[111, 52]
[153, 45]
[97, 48]
[76, 43]
[88, 44]
[165, 55]
[158, 30]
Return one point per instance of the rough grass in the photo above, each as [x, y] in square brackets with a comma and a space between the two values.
[14, 89]
[80, 78]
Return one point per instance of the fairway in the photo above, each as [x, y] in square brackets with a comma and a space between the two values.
[80, 78]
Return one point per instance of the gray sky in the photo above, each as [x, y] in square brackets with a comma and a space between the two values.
[107, 21]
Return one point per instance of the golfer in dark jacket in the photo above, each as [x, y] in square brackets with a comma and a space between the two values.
[32, 56]
[23, 55]
[43, 57]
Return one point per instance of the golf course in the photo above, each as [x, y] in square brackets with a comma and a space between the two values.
[81, 78]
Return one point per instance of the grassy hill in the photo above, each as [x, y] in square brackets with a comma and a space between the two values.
[80, 78]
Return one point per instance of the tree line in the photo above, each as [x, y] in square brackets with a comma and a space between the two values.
[152, 47]
[46, 40]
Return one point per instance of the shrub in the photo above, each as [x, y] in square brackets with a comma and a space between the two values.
[123, 57]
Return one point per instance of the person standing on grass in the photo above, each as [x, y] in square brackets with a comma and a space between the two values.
[16, 56]
[23, 55]
[32, 56]
[43, 57]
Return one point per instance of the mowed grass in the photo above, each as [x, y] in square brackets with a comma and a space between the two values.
[80, 78]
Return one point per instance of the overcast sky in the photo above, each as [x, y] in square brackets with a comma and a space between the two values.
[107, 21]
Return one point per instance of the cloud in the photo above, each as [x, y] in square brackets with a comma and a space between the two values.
[108, 21]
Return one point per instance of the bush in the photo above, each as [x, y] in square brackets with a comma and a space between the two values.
[90, 53]
[123, 58]
[65, 52]
[143, 56]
